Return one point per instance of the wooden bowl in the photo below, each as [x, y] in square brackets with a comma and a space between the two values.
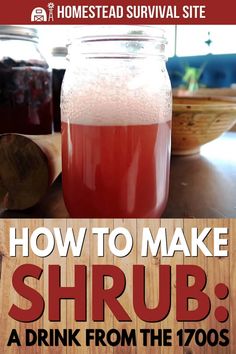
[199, 120]
[206, 92]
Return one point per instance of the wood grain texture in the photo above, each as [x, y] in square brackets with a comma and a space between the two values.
[170, 321]
[151, 280]
[36, 284]
[54, 258]
[233, 284]
[127, 297]
[70, 264]
[107, 259]
[218, 270]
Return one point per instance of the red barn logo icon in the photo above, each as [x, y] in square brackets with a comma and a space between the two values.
[38, 15]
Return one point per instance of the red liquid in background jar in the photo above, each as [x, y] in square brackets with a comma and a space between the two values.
[116, 171]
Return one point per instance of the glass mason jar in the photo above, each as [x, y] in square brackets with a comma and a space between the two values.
[116, 123]
[25, 83]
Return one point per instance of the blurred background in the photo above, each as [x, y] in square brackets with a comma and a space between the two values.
[205, 52]
[183, 40]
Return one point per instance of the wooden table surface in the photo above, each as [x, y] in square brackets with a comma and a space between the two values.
[201, 186]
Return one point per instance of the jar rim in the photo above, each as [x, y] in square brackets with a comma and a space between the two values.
[19, 32]
[59, 51]
[88, 33]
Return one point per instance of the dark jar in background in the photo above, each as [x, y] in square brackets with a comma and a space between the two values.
[25, 83]
[58, 65]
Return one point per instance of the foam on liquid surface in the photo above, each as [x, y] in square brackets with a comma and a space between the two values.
[117, 91]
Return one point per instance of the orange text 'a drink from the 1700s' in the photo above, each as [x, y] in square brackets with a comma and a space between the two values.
[116, 125]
